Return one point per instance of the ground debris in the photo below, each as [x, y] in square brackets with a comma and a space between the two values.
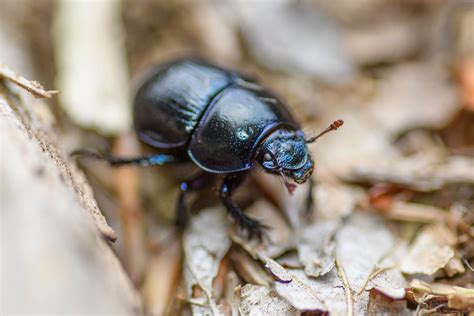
[313, 45]
[33, 87]
[205, 243]
[431, 251]
[391, 231]
[258, 300]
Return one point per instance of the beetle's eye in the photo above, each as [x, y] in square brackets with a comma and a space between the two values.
[267, 157]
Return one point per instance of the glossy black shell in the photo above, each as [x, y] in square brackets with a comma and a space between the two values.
[218, 116]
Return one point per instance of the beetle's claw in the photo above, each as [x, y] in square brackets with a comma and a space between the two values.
[255, 228]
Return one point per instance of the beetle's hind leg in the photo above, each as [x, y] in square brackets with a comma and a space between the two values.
[142, 161]
[195, 183]
[228, 186]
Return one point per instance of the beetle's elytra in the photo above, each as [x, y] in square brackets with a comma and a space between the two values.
[224, 123]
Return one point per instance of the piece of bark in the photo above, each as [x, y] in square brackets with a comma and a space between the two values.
[54, 260]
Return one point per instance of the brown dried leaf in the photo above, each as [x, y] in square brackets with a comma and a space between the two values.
[309, 292]
[249, 269]
[392, 293]
[335, 201]
[439, 288]
[420, 172]
[258, 300]
[430, 251]
[313, 45]
[316, 247]
[414, 95]
[362, 243]
[386, 36]
[205, 243]
[355, 145]
[296, 291]
[292, 289]
[447, 298]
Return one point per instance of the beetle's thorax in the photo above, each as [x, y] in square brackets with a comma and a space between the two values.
[285, 152]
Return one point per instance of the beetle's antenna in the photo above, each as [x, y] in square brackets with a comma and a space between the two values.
[334, 126]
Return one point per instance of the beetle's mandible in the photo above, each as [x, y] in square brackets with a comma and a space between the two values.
[223, 122]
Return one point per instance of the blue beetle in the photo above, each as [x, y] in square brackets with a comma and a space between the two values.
[222, 121]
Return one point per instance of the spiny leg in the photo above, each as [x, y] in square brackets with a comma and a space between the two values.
[228, 186]
[197, 182]
[142, 161]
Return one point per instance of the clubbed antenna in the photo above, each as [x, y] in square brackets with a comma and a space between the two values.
[335, 125]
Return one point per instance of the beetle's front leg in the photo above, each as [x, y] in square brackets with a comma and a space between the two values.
[142, 161]
[228, 186]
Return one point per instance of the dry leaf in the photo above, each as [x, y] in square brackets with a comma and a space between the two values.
[430, 251]
[335, 201]
[297, 292]
[316, 247]
[423, 172]
[258, 300]
[205, 243]
[313, 45]
[327, 289]
[447, 298]
[249, 269]
[414, 95]
[362, 242]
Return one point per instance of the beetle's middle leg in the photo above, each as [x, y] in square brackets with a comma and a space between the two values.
[195, 183]
[142, 161]
[228, 186]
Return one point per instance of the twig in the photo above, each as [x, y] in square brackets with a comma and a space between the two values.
[468, 264]
[31, 86]
[347, 289]
[374, 273]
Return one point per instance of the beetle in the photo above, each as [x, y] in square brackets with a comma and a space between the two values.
[222, 121]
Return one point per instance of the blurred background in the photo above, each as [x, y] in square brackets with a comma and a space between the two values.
[398, 174]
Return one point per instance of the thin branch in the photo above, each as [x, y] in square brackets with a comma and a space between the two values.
[31, 86]
[347, 288]
[374, 273]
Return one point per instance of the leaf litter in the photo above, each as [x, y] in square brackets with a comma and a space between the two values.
[351, 256]
[409, 250]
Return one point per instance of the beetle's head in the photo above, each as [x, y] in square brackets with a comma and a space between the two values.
[284, 152]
